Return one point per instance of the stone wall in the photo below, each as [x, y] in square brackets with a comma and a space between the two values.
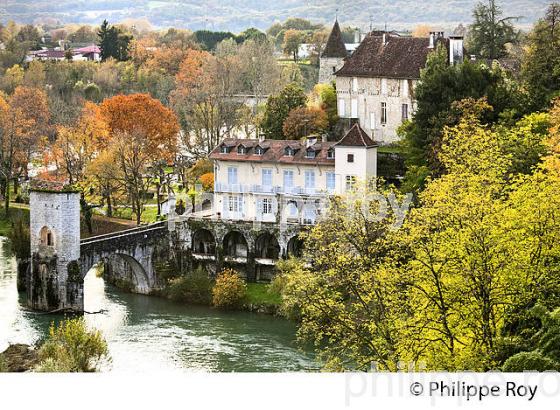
[56, 216]
[327, 68]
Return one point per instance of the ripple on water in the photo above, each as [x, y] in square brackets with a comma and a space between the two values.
[150, 334]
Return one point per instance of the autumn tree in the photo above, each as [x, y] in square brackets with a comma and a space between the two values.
[79, 144]
[292, 41]
[203, 99]
[142, 131]
[304, 121]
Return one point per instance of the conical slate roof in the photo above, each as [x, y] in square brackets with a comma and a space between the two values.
[335, 45]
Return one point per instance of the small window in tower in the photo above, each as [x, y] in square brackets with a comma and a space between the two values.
[334, 69]
[350, 157]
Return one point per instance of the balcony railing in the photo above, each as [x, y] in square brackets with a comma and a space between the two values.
[264, 189]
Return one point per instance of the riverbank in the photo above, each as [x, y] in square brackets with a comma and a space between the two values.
[18, 358]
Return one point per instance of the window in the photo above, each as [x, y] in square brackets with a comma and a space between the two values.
[334, 69]
[405, 112]
[289, 151]
[330, 181]
[330, 154]
[259, 150]
[267, 177]
[341, 108]
[383, 86]
[292, 209]
[235, 203]
[288, 179]
[267, 206]
[383, 113]
[405, 88]
[350, 158]
[350, 182]
[310, 179]
[224, 149]
[354, 108]
[241, 150]
[310, 153]
[232, 175]
[354, 84]
[372, 120]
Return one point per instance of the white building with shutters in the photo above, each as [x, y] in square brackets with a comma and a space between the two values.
[285, 181]
[376, 84]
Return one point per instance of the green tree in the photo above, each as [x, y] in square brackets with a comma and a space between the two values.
[490, 33]
[541, 61]
[440, 85]
[113, 42]
[278, 107]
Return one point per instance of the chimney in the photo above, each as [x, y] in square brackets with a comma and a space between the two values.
[384, 38]
[456, 50]
[432, 40]
[324, 137]
[357, 36]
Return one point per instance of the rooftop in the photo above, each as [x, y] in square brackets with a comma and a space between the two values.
[335, 44]
[399, 57]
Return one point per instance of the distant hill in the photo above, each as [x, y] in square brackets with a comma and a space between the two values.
[238, 15]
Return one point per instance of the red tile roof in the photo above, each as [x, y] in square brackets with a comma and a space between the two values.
[356, 137]
[274, 152]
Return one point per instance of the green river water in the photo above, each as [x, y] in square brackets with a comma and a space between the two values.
[148, 333]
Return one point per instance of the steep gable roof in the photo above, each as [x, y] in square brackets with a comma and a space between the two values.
[335, 44]
[356, 137]
[399, 57]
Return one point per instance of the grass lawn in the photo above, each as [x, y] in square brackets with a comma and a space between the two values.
[17, 212]
[258, 293]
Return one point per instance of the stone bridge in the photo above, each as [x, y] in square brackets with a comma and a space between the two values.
[128, 256]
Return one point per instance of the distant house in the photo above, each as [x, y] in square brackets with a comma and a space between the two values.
[375, 85]
[89, 53]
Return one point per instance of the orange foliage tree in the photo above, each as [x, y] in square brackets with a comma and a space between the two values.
[143, 132]
[304, 121]
[79, 144]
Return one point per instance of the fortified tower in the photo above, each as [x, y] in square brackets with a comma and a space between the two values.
[54, 280]
[332, 58]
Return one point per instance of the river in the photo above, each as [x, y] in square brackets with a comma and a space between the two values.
[148, 333]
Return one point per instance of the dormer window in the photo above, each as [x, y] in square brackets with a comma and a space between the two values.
[241, 150]
[330, 154]
[289, 151]
[259, 150]
[224, 149]
[310, 153]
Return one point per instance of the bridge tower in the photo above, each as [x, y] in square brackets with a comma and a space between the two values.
[54, 280]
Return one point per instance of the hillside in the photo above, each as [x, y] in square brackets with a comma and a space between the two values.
[238, 15]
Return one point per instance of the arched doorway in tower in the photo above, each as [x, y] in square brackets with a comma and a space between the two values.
[294, 248]
[204, 243]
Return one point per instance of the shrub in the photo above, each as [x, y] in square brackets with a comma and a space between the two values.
[195, 287]
[207, 181]
[526, 361]
[71, 347]
[230, 290]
